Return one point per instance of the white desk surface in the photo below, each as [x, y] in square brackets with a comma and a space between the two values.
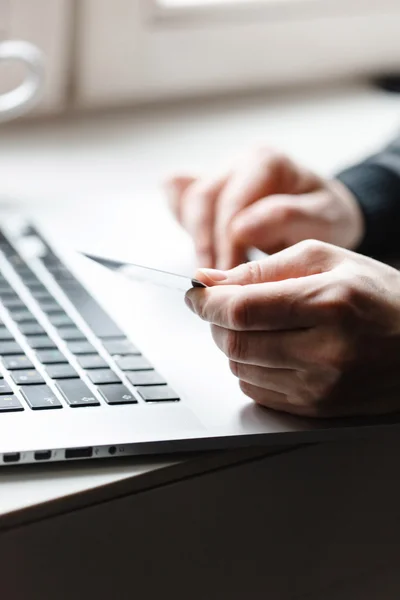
[110, 167]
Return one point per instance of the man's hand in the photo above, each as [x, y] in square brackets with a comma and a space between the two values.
[313, 330]
[267, 202]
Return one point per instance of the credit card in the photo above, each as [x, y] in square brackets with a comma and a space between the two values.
[148, 274]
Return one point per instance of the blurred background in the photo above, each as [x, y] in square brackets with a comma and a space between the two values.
[137, 90]
[104, 53]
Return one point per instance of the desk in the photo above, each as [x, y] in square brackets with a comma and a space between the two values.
[202, 526]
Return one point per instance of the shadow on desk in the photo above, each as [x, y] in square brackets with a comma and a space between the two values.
[318, 522]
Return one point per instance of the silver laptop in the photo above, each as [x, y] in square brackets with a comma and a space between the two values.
[93, 366]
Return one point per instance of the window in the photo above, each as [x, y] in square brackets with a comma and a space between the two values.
[103, 52]
[156, 49]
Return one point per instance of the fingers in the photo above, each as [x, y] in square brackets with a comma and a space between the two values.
[282, 305]
[198, 214]
[302, 260]
[277, 222]
[276, 349]
[295, 396]
[253, 180]
[214, 210]
[265, 173]
[175, 188]
[281, 380]
[274, 400]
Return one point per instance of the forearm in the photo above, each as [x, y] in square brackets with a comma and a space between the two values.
[376, 185]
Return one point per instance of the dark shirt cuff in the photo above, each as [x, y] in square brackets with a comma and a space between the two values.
[377, 190]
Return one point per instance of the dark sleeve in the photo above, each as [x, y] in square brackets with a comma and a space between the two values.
[376, 185]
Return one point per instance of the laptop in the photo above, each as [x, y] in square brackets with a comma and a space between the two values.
[92, 366]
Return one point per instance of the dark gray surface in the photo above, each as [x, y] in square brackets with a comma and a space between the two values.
[310, 523]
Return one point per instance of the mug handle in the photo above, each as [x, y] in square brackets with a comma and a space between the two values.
[18, 101]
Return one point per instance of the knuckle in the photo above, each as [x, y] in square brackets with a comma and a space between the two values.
[254, 273]
[239, 312]
[315, 386]
[271, 155]
[339, 354]
[234, 346]
[313, 250]
[341, 301]
[271, 158]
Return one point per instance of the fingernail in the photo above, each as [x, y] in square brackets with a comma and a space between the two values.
[189, 303]
[214, 274]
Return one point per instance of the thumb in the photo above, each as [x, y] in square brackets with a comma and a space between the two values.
[273, 223]
[175, 188]
[307, 258]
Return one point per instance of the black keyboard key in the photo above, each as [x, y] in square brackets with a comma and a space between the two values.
[70, 333]
[40, 397]
[28, 277]
[92, 361]
[5, 388]
[8, 348]
[5, 334]
[62, 372]
[41, 293]
[33, 284]
[21, 316]
[77, 393]
[122, 347]
[47, 300]
[145, 378]
[22, 268]
[6, 289]
[31, 329]
[28, 377]
[20, 361]
[133, 363]
[40, 342]
[158, 393]
[51, 357]
[13, 302]
[81, 348]
[50, 306]
[117, 394]
[10, 403]
[60, 319]
[103, 376]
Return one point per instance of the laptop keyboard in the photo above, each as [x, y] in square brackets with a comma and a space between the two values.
[47, 362]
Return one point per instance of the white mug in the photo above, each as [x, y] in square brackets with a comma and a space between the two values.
[24, 97]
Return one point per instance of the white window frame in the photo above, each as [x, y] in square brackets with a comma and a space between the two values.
[138, 50]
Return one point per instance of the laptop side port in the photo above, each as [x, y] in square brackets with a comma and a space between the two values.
[12, 457]
[79, 452]
[42, 455]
